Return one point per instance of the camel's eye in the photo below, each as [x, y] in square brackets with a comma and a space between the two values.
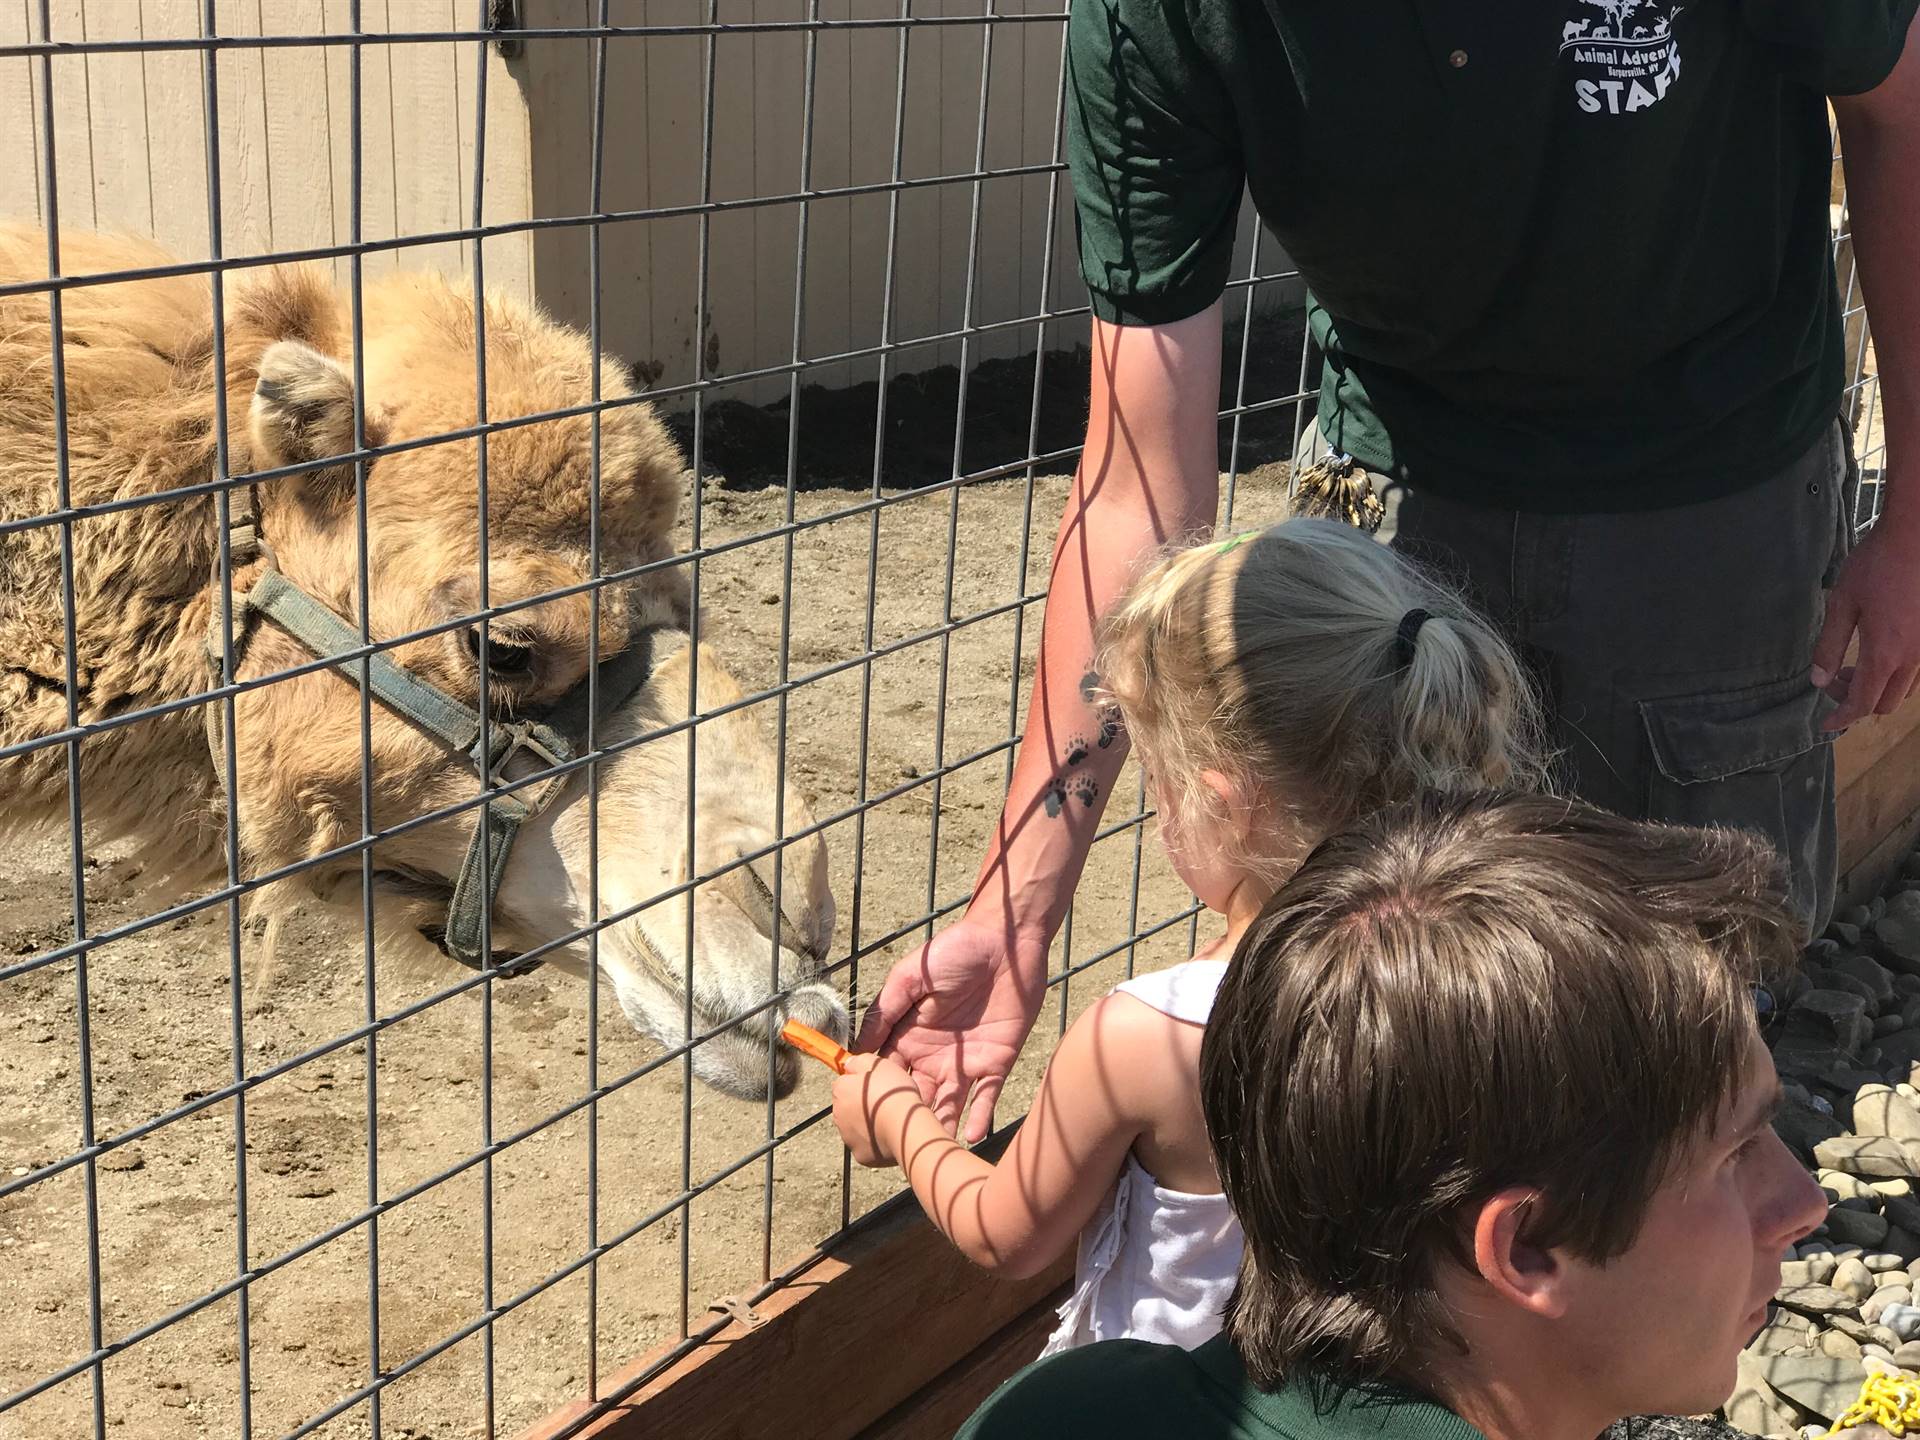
[505, 659]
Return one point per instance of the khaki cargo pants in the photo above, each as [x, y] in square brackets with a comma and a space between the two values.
[1672, 646]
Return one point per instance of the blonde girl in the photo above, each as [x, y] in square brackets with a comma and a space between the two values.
[1276, 687]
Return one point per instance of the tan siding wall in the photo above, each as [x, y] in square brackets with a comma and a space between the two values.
[129, 130]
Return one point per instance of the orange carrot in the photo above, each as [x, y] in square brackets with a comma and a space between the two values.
[809, 1041]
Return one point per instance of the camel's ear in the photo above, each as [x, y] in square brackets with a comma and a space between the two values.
[302, 408]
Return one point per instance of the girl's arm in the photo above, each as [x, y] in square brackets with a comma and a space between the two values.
[1018, 1216]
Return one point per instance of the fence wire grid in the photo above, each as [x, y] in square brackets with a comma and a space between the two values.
[418, 1203]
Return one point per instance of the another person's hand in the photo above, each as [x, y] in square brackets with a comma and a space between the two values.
[863, 1089]
[956, 1012]
[1877, 596]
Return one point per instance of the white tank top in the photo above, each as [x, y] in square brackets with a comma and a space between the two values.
[1153, 1263]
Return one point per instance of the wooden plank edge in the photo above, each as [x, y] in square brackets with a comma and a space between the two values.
[1878, 802]
[939, 1409]
[835, 1331]
[1860, 750]
[1869, 874]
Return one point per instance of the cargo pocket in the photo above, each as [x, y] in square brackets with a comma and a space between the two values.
[1846, 493]
[1755, 758]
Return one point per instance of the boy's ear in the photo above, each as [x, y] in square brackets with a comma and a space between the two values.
[1516, 1270]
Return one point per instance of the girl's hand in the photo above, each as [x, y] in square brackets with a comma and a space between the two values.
[872, 1101]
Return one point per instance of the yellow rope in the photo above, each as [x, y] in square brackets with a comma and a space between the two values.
[1890, 1401]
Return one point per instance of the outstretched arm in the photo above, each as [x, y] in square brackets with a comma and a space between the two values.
[957, 1010]
[1878, 592]
[1016, 1217]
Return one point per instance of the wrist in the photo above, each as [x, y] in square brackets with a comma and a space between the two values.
[1024, 940]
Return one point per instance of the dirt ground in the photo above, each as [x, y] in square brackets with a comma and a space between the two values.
[161, 1032]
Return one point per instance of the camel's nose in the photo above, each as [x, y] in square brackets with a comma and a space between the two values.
[751, 887]
[822, 1008]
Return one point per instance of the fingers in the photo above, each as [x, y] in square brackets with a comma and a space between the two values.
[1835, 631]
[1864, 692]
[856, 1064]
[949, 1097]
[1897, 691]
[980, 1118]
[904, 988]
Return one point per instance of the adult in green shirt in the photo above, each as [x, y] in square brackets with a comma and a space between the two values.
[1570, 270]
[1449, 1238]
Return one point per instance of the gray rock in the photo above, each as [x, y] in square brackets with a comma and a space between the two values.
[1782, 1340]
[1907, 984]
[1840, 1013]
[1822, 1385]
[1802, 1127]
[1866, 1155]
[1754, 1405]
[1900, 1051]
[1816, 1300]
[1882, 1263]
[1902, 1242]
[1853, 1278]
[1839, 1346]
[1845, 1186]
[1907, 1357]
[1908, 1008]
[1877, 1110]
[1860, 967]
[1817, 1271]
[1875, 1352]
[1887, 1024]
[1878, 1303]
[1839, 980]
[1897, 929]
[1901, 1210]
[1851, 1324]
[1903, 1320]
[1847, 934]
[1867, 1204]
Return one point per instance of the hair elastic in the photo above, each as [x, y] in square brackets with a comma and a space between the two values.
[1408, 635]
[1228, 544]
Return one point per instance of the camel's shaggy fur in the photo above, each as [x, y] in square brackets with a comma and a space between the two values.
[142, 404]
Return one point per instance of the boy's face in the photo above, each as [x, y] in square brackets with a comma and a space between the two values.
[1658, 1329]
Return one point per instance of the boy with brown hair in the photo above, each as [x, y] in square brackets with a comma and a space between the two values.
[1486, 1093]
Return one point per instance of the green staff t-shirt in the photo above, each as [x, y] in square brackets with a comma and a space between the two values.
[1564, 255]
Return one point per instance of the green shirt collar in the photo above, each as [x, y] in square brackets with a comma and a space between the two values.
[1377, 1411]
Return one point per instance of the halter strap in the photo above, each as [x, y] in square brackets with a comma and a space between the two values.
[533, 747]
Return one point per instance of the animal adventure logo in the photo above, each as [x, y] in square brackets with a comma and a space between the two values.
[1625, 58]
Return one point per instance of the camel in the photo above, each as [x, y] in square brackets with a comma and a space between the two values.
[140, 394]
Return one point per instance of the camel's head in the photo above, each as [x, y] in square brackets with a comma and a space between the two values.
[720, 964]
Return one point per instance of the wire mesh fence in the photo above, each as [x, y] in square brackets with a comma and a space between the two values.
[355, 617]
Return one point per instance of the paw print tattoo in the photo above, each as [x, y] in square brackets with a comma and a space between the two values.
[1090, 687]
[1076, 749]
[1080, 788]
[1110, 727]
